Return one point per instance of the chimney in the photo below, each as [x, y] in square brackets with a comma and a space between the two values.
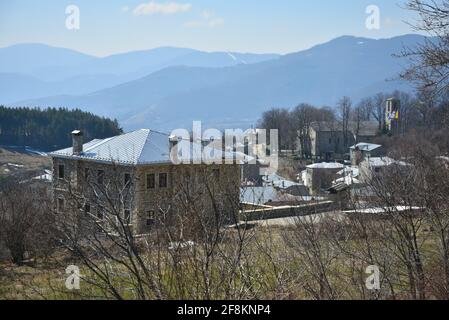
[77, 142]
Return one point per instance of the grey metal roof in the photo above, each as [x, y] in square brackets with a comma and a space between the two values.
[143, 146]
[363, 146]
[384, 162]
[258, 195]
[363, 128]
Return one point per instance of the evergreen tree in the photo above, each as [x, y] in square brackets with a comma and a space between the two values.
[49, 129]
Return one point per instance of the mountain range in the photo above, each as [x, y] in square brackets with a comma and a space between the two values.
[167, 87]
[30, 71]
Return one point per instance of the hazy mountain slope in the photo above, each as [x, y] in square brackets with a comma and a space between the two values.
[29, 58]
[12, 86]
[145, 62]
[57, 71]
[346, 66]
[53, 64]
[128, 99]
[321, 75]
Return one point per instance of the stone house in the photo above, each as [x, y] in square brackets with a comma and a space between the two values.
[326, 140]
[140, 162]
[376, 167]
[319, 176]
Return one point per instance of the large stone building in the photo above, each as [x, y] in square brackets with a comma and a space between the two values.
[327, 141]
[140, 164]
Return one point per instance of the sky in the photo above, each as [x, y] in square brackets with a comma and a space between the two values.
[260, 26]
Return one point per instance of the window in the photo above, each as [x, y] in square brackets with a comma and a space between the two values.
[87, 208]
[127, 179]
[60, 205]
[162, 180]
[216, 173]
[151, 181]
[100, 213]
[100, 176]
[86, 173]
[61, 173]
[151, 219]
[127, 217]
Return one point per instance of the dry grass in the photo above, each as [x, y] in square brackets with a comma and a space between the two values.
[12, 163]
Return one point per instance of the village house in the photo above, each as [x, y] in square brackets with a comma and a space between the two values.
[141, 161]
[318, 177]
[375, 166]
[326, 140]
[363, 150]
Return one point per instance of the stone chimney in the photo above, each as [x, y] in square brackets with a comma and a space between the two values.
[77, 142]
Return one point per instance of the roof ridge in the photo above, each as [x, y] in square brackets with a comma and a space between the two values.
[159, 132]
[102, 141]
[118, 136]
[150, 142]
[148, 131]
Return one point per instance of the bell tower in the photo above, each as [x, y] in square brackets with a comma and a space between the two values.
[393, 116]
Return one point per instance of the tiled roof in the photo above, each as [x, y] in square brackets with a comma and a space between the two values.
[138, 147]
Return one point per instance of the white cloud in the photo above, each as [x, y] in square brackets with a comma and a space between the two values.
[154, 7]
[215, 22]
[207, 19]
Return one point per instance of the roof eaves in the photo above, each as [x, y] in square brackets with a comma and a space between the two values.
[93, 159]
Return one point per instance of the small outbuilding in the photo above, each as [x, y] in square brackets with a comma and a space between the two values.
[363, 150]
[319, 176]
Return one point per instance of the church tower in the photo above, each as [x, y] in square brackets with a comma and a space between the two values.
[393, 116]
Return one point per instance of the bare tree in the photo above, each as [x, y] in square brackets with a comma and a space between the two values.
[279, 119]
[429, 61]
[344, 111]
[189, 252]
[26, 221]
[302, 117]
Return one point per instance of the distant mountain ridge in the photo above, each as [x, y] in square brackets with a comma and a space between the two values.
[237, 94]
[56, 71]
[52, 63]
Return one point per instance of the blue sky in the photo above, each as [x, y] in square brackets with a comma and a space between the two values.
[113, 26]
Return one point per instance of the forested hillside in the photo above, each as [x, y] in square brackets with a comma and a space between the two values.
[49, 129]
